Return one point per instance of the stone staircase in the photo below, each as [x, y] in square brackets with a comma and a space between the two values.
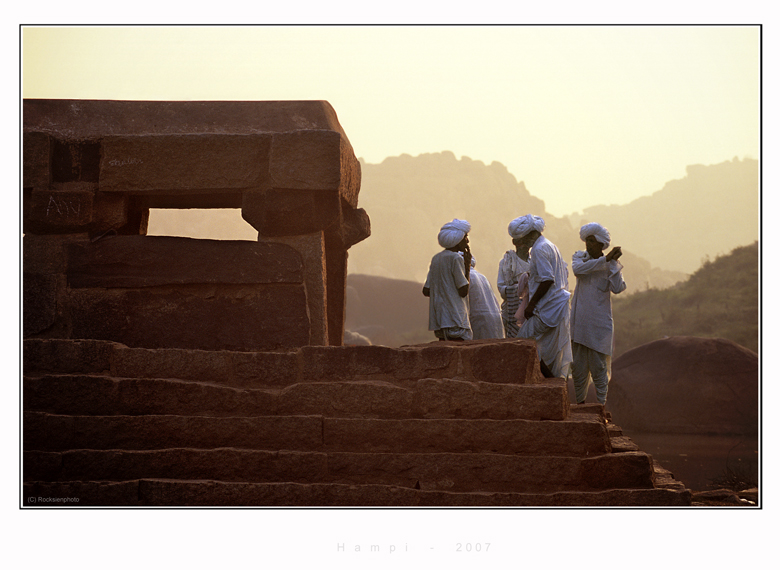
[442, 424]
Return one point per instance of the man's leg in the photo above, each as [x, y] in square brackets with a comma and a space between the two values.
[597, 362]
[579, 371]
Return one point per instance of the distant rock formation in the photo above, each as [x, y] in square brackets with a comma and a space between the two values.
[711, 211]
[391, 312]
[686, 385]
[411, 197]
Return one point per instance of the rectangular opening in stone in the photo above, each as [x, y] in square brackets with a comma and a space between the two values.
[218, 224]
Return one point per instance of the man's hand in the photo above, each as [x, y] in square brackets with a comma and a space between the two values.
[614, 253]
[541, 291]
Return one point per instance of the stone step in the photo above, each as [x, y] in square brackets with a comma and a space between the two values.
[581, 435]
[163, 493]
[428, 398]
[478, 361]
[459, 472]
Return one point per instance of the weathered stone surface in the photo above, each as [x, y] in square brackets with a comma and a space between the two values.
[311, 248]
[36, 169]
[316, 460]
[718, 497]
[220, 464]
[355, 226]
[250, 318]
[64, 208]
[104, 395]
[66, 356]
[49, 432]
[490, 361]
[94, 119]
[629, 470]
[46, 253]
[460, 472]
[749, 494]
[595, 409]
[164, 492]
[82, 494]
[39, 298]
[347, 399]
[196, 365]
[113, 212]
[265, 369]
[315, 160]
[686, 385]
[622, 444]
[146, 261]
[285, 212]
[96, 167]
[184, 164]
[41, 465]
[577, 438]
[445, 398]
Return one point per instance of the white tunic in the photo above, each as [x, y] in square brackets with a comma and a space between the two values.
[591, 305]
[546, 264]
[484, 312]
[446, 307]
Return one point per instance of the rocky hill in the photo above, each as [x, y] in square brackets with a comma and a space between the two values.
[709, 212]
[720, 300]
[410, 198]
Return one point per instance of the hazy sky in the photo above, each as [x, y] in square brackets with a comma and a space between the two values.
[582, 114]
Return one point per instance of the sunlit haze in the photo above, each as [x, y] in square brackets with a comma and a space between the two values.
[583, 115]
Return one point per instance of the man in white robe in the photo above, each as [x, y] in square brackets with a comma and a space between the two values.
[484, 312]
[598, 276]
[510, 269]
[547, 312]
[447, 284]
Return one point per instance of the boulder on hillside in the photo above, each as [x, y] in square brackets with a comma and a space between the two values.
[686, 385]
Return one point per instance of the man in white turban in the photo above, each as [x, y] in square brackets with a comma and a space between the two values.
[547, 312]
[598, 275]
[511, 268]
[447, 284]
[484, 312]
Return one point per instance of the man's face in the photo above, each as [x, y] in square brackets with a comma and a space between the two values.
[594, 247]
[463, 243]
[527, 241]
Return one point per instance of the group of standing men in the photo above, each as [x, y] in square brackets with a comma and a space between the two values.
[573, 333]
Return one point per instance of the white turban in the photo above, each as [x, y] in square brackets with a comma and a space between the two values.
[452, 233]
[596, 230]
[522, 226]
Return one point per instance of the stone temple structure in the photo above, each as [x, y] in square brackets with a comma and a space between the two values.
[164, 371]
[94, 169]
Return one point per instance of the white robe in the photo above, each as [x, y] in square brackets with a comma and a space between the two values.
[484, 312]
[446, 307]
[591, 304]
[549, 326]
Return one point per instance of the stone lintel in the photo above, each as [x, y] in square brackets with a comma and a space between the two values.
[184, 163]
[315, 160]
[94, 119]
